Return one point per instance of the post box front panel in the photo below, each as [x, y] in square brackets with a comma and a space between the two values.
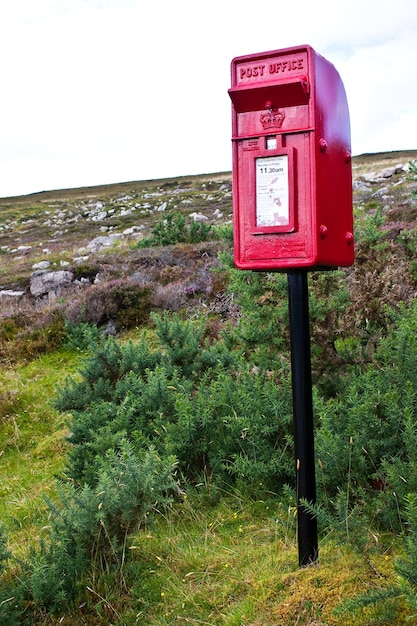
[273, 225]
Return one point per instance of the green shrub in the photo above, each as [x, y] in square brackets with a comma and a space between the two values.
[139, 411]
[368, 229]
[406, 565]
[90, 527]
[224, 231]
[262, 331]
[197, 401]
[262, 334]
[125, 390]
[109, 363]
[235, 428]
[198, 231]
[181, 340]
[4, 551]
[173, 229]
[412, 170]
[82, 336]
[369, 433]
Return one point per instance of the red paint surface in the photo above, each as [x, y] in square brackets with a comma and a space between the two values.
[295, 99]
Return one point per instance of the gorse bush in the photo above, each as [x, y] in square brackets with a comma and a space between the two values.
[406, 565]
[4, 551]
[145, 418]
[262, 334]
[109, 363]
[366, 439]
[90, 526]
[235, 429]
[188, 398]
[181, 341]
[412, 170]
[141, 407]
[174, 228]
[186, 347]
[81, 336]
[224, 409]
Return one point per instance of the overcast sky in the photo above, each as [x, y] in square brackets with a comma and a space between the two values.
[104, 91]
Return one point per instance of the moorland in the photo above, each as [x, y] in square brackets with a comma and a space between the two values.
[146, 446]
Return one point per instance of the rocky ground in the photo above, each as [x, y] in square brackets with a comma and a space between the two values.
[61, 230]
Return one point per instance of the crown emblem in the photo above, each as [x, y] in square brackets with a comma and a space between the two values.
[272, 119]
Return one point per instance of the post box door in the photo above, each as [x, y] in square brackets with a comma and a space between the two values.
[273, 217]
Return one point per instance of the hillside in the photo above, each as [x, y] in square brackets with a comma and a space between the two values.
[55, 245]
[153, 381]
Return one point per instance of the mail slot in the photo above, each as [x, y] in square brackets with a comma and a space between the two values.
[292, 172]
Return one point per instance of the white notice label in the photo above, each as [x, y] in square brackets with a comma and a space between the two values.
[272, 198]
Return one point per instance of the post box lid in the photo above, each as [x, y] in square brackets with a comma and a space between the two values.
[256, 97]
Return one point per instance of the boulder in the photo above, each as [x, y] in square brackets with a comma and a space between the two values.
[104, 242]
[11, 293]
[198, 217]
[42, 265]
[45, 283]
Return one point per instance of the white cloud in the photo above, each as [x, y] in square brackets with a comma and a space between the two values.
[382, 95]
[99, 91]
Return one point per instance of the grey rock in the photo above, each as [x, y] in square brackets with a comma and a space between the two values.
[43, 282]
[103, 242]
[42, 265]
[10, 293]
[198, 217]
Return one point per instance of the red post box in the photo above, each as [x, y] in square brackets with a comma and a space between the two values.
[292, 173]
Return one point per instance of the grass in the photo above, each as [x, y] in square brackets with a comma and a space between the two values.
[216, 566]
[235, 564]
[32, 442]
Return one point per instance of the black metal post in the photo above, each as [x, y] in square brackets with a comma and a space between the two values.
[303, 414]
